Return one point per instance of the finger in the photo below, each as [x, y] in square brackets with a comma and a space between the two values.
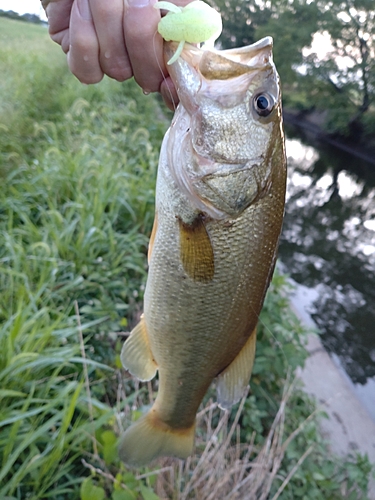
[58, 14]
[83, 55]
[108, 21]
[144, 44]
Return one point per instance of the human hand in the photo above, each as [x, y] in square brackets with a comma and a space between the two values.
[117, 38]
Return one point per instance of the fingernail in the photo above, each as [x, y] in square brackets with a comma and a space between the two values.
[45, 3]
[138, 3]
[84, 9]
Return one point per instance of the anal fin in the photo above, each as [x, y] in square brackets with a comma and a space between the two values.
[136, 354]
[232, 382]
[196, 251]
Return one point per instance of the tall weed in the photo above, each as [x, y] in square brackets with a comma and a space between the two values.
[77, 173]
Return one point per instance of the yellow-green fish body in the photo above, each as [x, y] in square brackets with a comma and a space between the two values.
[219, 209]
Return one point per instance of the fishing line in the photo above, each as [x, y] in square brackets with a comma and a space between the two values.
[162, 73]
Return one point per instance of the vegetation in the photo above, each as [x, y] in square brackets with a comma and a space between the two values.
[339, 84]
[345, 75]
[77, 169]
[29, 18]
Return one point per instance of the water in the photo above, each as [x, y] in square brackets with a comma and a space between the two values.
[328, 247]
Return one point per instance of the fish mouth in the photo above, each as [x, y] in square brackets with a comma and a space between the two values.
[225, 72]
[225, 64]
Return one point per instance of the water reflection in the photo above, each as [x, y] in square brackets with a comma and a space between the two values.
[328, 245]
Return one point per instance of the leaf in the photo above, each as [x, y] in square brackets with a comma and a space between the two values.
[109, 446]
[136, 414]
[118, 363]
[318, 477]
[91, 492]
[124, 322]
[147, 494]
[124, 495]
[5, 393]
[129, 479]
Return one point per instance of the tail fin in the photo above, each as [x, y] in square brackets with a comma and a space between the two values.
[149, 438]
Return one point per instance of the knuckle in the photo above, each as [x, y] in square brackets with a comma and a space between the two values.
[147, 83]
[119, 74]
[88, 79]
[118, 68]
[84, 45]
[83, 73]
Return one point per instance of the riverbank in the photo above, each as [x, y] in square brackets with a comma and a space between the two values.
[312, 125]
[349, 428]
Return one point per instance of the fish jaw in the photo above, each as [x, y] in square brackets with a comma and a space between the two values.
[220, 170]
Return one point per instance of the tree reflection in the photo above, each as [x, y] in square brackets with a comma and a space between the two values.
[328, 243]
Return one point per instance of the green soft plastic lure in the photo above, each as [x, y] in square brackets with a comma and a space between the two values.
[195, 23]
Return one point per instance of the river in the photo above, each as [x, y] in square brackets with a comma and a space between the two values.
[328, 249]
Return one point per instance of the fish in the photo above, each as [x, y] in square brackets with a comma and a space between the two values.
[220, 196]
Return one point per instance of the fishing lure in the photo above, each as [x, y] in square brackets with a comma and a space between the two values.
[197, 22]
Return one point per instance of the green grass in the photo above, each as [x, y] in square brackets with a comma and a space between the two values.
[77, 172]
[77, 177]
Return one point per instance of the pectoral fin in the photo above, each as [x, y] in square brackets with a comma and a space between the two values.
[232, 382]
[196, 251]
[136, 355]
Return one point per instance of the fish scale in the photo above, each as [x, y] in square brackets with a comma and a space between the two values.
[213, 245]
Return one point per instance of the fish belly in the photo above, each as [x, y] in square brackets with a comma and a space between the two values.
[196, 329]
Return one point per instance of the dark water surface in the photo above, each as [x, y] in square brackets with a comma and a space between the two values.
[328, 246]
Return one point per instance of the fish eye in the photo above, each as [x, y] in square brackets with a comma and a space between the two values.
[263, 104]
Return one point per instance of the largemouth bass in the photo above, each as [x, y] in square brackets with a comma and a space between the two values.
[219, 209]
